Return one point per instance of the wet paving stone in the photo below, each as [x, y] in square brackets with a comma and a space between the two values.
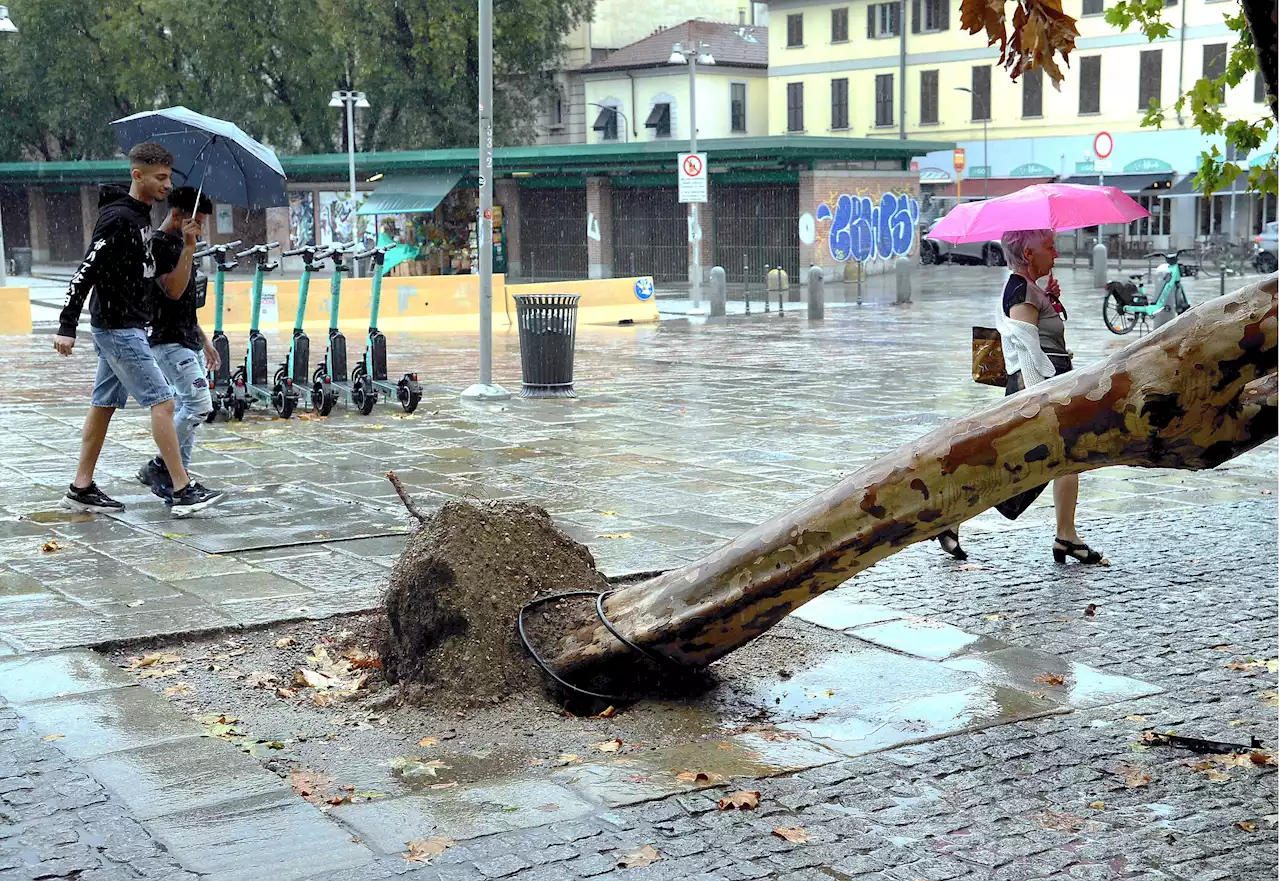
[258, 839]
[924, 638]
[251, 585]
[1059, 679]
[836, 612]
[93, 725]
[39, 677]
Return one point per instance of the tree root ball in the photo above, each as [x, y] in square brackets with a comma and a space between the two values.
[456, 591]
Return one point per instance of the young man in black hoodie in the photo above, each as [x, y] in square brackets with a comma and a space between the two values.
[121, 270]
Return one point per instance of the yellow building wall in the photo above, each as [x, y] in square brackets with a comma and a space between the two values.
[448, 303]
[15, 311]
[954, 53]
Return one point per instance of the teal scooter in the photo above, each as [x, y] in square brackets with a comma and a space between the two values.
[220, 379]
[330, 376]
[373, 365]
[294, 369]
[249, 382]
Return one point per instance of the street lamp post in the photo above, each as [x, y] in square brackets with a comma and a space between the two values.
[6, 27]
[351, 100]
[986, 117]
[697, 52]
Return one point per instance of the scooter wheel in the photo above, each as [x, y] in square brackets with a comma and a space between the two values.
[237, 410]
[283, 400]
[363, 395]
[322, 399]
[408, 395]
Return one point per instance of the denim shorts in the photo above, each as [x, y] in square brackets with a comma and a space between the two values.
[126, 367]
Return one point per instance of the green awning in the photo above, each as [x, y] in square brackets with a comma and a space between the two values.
[410, 194]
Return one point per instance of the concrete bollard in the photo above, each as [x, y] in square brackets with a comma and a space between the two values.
[717, 292]
[1099, 265]
[902, 269]
[817, 294]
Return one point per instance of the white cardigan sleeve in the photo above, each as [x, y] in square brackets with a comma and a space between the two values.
[1020, 341]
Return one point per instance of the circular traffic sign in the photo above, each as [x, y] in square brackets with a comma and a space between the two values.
[1102, 145]
[808, 232]
[692, 166]
[644, 289]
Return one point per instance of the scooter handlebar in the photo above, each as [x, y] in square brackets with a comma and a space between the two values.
[259, 249]
[209, 250]
[369, 253]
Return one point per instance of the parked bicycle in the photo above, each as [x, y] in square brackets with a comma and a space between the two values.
[1126, 304]
[1223, 257]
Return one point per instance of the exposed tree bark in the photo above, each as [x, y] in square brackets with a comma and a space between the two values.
[1261, 15]
[1191, 395]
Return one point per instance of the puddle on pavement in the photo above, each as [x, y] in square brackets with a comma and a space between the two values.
[57, 517]
[926, 638]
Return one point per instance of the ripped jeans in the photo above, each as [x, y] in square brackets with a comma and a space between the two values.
[186, 372]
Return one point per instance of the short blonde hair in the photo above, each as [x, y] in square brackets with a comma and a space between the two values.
[1016, 241]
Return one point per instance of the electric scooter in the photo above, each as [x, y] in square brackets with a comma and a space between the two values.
[406, 390]
[249, 382]
[294, 368]
[220, 379]
[330, 377]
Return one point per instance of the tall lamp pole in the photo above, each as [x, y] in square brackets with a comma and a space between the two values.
[986, 117]
[350, 100]
[697, 52]
[485, 389]
[6, 27]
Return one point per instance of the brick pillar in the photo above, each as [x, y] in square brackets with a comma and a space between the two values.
[88, 212]
[809, 200]
[600, 217]
[39, 218]
[507, 194]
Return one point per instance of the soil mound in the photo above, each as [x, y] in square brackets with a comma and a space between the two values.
[455, 593]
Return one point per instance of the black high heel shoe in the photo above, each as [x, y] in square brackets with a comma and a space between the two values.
[1079, 552]
[949, 540]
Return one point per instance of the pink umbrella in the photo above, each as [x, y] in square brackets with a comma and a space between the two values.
[1040, 206]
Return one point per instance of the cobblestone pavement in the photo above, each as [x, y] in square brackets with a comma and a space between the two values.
[684, 435]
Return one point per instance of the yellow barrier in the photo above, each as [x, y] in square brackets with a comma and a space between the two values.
[15, 312]
[442, 303]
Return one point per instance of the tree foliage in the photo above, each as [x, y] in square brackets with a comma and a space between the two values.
[269, 66]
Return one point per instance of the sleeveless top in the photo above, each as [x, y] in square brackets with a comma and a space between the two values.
[1053, 330]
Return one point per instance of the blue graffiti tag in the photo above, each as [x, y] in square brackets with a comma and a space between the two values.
[862, 230]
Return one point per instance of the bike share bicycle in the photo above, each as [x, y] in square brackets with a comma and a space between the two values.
[1125, 304]
[249, 381]
[220, 379]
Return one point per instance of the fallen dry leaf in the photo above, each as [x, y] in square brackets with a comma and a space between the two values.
[422, 850]
[321, 699]
[285, 642]
[1217, 776]
[794, 834]
[50, 546]
[606, 713]
[1271, 666]
[645, 856]
[1246, 825]
[743, 800]
[1136, 718]
[608, 746]
[1051, 679]
[309, 784]
[568, 759]
[1134, 777]
[53, 737]
[1097, 805]
[259, 679]
[427, 741]
[699, 778]
[305, 677]
[180, 688]
[152, 658]
[1271, 699]
[615, 536]
[1060, 821]
[286, 693]
[1261, 757]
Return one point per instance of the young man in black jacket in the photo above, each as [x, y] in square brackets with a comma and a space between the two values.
[179, 345]
[120, 270]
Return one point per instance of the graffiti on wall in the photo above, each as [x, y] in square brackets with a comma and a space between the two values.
[864, 227]
[302, 220]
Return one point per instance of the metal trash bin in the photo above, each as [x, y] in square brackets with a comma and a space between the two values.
[548, 326]
[21, 261]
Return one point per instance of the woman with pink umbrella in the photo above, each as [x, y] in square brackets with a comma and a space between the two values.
[1033, 320]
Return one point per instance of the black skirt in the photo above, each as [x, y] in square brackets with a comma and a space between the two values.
[1014, 507]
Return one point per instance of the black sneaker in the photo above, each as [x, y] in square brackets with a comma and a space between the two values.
[90, 499]
[192, 498]
[155, 474]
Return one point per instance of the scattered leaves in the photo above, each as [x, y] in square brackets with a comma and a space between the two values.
[568, 759]
[1246, 825]
[260, 680]
[645, 856]
[1136, 718]
[743, 800]
[304, 677]
[794, 834]
[285, 642]
[52, 737]
[1270, 699]
[608, 746]
[617, 535]
[607, 713]
[699, 778]
[50, 547]
[152, 658]
[1059, 820]
[1133, 777]
[309, 784]
[427, 741]
[179, 689]
[1098, 805]
[1052, 679]
[1271, 666]
[286, 693]
[423, 849]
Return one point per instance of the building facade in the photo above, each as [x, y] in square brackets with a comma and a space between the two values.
[905, 69]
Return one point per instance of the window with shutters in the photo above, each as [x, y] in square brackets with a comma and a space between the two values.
[840, 104]
[884, 20]
[980, 94]
[1033, 94]
[1149, 69]
[1215, 65]
[928, 16]
[1090, 84]
[884, 99]
[1093, 7]
[795, 107]
[795, 30]
[659, 120]
[929, 97]
[738, 107]
[840, 25]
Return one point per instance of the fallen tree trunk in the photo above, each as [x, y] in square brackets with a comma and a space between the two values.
[1190, 395]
